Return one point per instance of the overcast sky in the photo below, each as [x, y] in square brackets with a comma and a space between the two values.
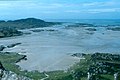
[60, 9]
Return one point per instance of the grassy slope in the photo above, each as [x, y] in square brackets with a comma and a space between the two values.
[9, 59]
[77, 72]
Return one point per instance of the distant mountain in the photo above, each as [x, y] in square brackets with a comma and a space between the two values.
[28, 20]
[26, 23]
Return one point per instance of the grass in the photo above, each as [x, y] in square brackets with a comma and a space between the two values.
[83, 78]
[57, 75]
[107, 77]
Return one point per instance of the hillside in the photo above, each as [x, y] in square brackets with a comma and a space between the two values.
[10, 28]
[26, 23]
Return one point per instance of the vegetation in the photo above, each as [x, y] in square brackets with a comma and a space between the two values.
[10, 28]
[101, 66]
[26, 23]
[59, 75]
[9, 32]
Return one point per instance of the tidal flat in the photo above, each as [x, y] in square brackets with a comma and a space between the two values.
[48, 50]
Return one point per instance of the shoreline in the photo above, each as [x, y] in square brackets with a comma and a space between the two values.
[58, 51]
[51, 48]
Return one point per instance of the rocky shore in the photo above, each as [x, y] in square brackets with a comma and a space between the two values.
[13, 45]
[41, 30]
[7, 60]
[9, 70]
[9, 75]
[2, 47]
[9, 32]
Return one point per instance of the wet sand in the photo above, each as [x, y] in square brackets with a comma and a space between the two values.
[51, 50]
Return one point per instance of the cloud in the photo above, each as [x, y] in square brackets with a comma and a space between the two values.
[103, 10]
[49, 12]
[101, 4]
[39, 7]
[107, 10]
[29, 4]
[73, 11]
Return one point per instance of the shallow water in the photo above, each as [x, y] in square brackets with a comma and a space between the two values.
[48, 51]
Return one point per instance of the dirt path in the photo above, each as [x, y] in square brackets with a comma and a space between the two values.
[47, 76]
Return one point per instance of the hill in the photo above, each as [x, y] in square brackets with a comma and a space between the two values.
[10, 28]
[26, 23]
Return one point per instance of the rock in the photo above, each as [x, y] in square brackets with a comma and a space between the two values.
[78, 55]
[91, 33]
[38, 30]
[51, 30]
[13, 45]
[9, 32]
[1, 66]
[9, 75]
[23, 58]
[2, 48]
[41, 30]
[91, 29]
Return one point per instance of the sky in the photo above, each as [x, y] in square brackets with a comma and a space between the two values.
[60, 9]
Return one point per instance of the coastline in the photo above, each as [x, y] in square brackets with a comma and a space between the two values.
[60, 50]
[50, 44]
